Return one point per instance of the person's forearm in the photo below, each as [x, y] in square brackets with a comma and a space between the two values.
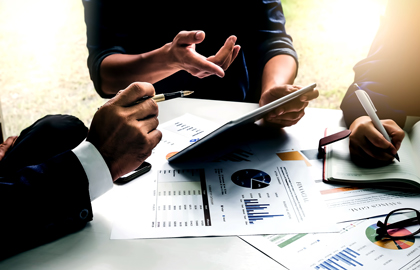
[120, 70]
[279, 70]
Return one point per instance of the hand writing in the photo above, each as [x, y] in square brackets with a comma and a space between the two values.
[368, 145]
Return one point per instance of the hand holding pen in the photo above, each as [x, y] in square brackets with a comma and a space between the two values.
[374, 141]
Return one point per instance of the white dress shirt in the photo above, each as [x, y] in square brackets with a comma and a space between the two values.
[98, 174]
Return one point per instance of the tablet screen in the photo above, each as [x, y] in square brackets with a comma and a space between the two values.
[219, 141]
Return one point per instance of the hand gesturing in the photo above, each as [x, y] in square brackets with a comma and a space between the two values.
[185, 57]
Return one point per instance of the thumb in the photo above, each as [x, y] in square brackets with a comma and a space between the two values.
[191, 37]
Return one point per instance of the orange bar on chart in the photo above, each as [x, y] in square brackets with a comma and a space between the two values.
[341, 189]
[294, 155]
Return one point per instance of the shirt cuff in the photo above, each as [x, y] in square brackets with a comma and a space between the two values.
[97, 172]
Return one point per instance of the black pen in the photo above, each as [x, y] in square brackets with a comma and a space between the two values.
[167, 96]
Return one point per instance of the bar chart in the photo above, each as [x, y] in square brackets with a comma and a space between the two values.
[255, 211]
[341, 260]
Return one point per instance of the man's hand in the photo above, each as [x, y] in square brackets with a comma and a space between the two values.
[123, 131]
[227, 54]
[289, 113]
[185, 57]
[6, 145]
[368, 146]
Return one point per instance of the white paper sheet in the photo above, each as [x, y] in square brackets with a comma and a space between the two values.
[345, 201]
[216, 199]
[252, 196]
[355, 247]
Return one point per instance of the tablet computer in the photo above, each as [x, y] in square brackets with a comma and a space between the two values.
[216, 143]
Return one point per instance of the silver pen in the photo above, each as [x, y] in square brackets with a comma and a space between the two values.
[371, 111]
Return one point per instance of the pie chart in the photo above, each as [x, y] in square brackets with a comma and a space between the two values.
[389, 244]
[251, 178]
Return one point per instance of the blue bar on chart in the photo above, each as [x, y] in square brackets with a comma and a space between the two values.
[252, 206]
[341, 260]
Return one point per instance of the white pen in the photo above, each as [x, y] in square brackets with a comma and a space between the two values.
[371, 111]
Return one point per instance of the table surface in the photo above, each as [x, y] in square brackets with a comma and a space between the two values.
[92, 248]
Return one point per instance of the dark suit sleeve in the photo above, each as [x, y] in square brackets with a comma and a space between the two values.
[43, 202]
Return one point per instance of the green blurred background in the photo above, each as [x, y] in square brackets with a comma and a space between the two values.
[43, 54]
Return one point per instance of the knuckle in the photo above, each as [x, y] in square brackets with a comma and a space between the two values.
[301, 114]
[217, 61]
[138, 87]
[364, 126]
[387, 122]
[195, 73]
[155, 122]
[159, 135]
[377, 141]
[180, 33]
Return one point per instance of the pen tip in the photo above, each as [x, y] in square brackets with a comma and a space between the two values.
[357, 86]
[187, 92]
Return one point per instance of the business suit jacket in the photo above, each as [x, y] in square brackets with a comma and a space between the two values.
[43, 202]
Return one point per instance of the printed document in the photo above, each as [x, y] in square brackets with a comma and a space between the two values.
[354, 247]
[240, 194]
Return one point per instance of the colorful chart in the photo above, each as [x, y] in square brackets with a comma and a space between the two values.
[251, 178]
[389, 244]
[293, 156]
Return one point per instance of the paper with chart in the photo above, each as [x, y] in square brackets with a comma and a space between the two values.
[345, 201]
[354, 247]
[178, 134]
[223, 198]
[245, 192]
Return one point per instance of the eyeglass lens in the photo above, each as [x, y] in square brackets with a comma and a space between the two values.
[403, 223]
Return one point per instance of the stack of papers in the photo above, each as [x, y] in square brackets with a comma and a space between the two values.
[271, 195]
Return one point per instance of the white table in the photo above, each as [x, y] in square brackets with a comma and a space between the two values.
[91, 248]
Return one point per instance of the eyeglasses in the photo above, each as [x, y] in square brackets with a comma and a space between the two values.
[400, 223]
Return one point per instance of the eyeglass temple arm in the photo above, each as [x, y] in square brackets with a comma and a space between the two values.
[399, 224]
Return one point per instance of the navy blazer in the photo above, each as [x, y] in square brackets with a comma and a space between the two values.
[43, 202]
